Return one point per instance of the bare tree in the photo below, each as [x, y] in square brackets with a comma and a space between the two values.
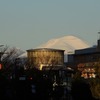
[8, 59]
[47, 60]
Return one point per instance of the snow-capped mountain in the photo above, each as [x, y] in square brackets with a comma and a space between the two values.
[67, 43]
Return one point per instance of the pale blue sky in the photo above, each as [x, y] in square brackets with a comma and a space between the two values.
[29, 23]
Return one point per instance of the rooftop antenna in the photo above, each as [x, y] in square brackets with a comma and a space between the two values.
[99, 35]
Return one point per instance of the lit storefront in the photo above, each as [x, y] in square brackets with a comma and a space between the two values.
[87, 71]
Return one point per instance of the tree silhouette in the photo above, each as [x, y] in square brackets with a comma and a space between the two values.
[8, 59]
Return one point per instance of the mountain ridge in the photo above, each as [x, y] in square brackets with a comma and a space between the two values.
[68, 43]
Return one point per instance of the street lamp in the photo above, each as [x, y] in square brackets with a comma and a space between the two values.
[1, 45]
[0, 57]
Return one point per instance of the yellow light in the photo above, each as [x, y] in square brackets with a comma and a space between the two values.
[41, 67]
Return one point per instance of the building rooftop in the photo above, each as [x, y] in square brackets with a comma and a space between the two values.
[44, 49]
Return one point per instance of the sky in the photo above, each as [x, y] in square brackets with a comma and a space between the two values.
[27, 24]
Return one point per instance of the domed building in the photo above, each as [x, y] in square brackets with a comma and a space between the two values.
[46, 58]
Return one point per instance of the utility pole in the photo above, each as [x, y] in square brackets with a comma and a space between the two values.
[1, 52]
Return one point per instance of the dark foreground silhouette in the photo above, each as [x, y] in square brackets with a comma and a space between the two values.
[41, 89]
[81, 91]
